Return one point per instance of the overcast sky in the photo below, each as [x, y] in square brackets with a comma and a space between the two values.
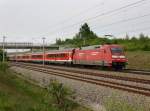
[30, 20]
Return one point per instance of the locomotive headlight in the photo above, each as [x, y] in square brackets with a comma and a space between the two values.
[114, 56]
[122, 57]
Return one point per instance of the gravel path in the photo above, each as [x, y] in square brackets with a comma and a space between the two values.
[86, 94]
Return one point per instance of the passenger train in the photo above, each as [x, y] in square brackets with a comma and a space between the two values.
[108, 55]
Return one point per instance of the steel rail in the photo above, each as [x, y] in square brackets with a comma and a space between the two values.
[135, 71]
[131, 79]
[134, 89]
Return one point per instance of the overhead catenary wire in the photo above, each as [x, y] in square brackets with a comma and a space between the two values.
[134, 30]
[114, 10]
[80, 13]
[117, 23]
[122, 21]
[121, 32]
[100, 15]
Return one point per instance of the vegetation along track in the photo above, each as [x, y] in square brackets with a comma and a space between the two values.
[93, 78]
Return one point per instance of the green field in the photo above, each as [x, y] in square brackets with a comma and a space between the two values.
[138, 59]
[19, 95]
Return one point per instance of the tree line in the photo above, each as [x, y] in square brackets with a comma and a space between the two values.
[86, 37]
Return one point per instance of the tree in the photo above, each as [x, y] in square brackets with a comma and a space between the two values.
[142, 38]
[86, 33]
[127, 37]
[58, 41]
[1, 55]
[134, 39]
[146, 47]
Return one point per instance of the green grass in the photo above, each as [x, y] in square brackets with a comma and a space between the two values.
[138, 59]
[19, 95]
[113, 104]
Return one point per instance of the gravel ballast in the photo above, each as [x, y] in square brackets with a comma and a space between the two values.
[86, 94]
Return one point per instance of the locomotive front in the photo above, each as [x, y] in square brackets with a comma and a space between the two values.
[119, 60]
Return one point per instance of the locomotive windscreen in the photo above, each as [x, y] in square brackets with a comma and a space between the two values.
[116, 50]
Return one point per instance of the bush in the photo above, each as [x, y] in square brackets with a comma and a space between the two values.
[3, 66]
[61, 95]
[146, 47]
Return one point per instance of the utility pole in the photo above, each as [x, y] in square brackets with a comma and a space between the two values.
[16, 52]
[32, 47]
[43, 51]
[4, 48]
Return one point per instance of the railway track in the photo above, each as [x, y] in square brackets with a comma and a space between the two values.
[112, 81]
[96, 74]
[131, 71]
[135, 71]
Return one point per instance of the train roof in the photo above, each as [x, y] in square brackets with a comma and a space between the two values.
[65, 50]
[50, 51]
[91, 47]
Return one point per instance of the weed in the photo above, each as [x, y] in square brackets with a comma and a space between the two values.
[18, 95]
[61, 95]
[113, 104]
[3, 66]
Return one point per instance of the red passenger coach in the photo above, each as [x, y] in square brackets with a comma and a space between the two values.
[62, 57]
[26, 58]
[37, 57]
[21, 58]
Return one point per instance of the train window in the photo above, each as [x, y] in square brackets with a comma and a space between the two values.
[56, 55]
[62, 55]
[59, 55]
[116, 50]
[40, 56]
[65, 55]
[37, 56]
[50, 55]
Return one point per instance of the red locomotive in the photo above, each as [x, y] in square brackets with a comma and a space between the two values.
[98, 55]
